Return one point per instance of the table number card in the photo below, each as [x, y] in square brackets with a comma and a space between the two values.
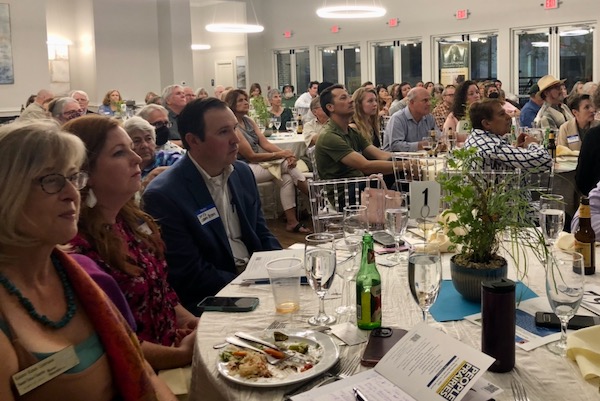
[424, 199]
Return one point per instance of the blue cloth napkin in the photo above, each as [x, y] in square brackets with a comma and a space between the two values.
[450, 305]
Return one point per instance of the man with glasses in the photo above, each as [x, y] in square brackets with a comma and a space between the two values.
[441, 111]
[174, 100]
[83, 100]
[65, 109]
[158, 117]
[553, 112]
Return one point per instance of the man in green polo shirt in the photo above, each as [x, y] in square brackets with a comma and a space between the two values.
[340, 151]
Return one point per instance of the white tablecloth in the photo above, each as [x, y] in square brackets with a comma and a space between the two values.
[545, 375]
[290, 141]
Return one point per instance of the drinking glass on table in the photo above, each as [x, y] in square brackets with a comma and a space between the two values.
[396, 220]
[356, 222]
[277, 123]
[346, 250]
[284, 275]
[427, 144]
[552, 216]
[564, 288]
[320, 264]
[425, 276]
[288, 126]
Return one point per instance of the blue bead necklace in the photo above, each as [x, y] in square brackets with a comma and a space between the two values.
[43, 319]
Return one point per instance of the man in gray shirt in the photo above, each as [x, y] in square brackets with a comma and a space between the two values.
[407, 128]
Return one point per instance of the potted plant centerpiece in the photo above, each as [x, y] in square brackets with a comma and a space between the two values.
[482, 208]
[262, 115]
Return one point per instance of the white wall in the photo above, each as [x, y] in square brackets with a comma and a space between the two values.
[29, 51]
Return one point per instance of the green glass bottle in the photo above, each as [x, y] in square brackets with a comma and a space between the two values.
[368, 288]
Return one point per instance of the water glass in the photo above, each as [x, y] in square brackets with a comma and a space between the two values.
[552, 216]
[284, 275]
[346, 251]
[396, 220]
[288, 126]
[356, 222]
[277, 123]
[425, 276]
[320, 264]
[564, 288]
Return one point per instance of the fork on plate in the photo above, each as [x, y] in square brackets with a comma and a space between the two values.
[518, 390]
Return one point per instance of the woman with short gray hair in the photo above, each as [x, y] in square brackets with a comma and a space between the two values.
[64, 109]
[277, 110]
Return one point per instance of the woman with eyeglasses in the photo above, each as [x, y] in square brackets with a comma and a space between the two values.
[64, 109]
[50, 309]
[125, 242]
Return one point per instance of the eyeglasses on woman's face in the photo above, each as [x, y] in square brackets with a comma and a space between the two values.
[55, 182]
[160, 124]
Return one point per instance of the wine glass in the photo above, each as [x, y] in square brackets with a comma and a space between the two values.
[346, 250]
[294, 125]
[427, 144]
[396, 220]
[425, 276]
[277, 123]
[288, 126]
[564, 288]
[355, 222]
[552, 216]
[320, 263]
[272, 122]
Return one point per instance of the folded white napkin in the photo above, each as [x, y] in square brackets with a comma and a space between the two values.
[178, 379]
[562, 150]
[565, 241]
[436, 240]
[583, 347]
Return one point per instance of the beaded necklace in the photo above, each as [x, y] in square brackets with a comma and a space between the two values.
[26, 303]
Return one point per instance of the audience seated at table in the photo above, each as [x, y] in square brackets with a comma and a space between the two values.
[466, 94]
[110, 103]
[384, 100]
[303, 102]
[158, 117]
[208, 206]
[63, 109]
[153, 162]
[490, 123]
[267, 161]
[400, 101]
[201, 93]
[173, 99]
[277, 110]
[442, 110]
[36, 111]
[587, 174]
[341, 151]
[125, 242]
[553, 112]
[83, 100]
[366, 119]
[407, 128]
[288, 96]
[314, 127]
[594, 196]
[573, 132]
[531, 108]
[48, 301]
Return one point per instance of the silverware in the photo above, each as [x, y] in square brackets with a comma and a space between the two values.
[241, 343]
[518, 390]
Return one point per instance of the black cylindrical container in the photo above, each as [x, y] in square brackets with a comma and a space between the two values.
[498, 319]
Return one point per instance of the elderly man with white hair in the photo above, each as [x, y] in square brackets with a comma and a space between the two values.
[158, 117]
[83, 100]
[143, 136]
[174, 100]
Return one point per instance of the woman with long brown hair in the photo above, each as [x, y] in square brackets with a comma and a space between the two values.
[366, 119]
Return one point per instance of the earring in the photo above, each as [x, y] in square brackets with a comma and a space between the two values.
[91, 199]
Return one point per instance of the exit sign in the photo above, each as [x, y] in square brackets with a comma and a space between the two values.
[462, 14]
[550, 4]
[335, 29]
[393, 22]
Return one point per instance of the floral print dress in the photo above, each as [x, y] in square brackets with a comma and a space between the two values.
[151, 299]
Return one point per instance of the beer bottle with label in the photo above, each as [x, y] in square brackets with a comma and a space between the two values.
[585, 237]
[300, 128]
[368, 288]
[552, 145]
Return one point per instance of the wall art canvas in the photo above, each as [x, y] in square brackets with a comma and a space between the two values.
[7, 75]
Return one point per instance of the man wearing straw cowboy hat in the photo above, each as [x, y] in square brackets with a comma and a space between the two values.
[553, 112]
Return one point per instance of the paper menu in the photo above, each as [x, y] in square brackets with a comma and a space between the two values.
[257, 266]
[425, 364]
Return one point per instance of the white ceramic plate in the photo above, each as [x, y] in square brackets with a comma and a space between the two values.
[329, 357]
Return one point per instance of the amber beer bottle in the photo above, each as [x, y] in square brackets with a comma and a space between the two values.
[585, 237]
[300, 128]
[552, 145]
[368, 288]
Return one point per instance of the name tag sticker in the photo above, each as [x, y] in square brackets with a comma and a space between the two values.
[45, 370]
[573, 139]
[207, 214]
[144, 228]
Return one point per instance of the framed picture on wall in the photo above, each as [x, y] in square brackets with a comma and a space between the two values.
[7, 75]
[240, 71]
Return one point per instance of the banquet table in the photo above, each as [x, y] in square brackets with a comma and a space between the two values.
[289, 141]
[546, 376]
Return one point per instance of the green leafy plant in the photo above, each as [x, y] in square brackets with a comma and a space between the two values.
[261, 110]
[482, 207]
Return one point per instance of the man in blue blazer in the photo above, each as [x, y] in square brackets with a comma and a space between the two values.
[207, 205]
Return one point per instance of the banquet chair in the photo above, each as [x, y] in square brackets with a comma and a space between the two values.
[416, 167]
[329, 197]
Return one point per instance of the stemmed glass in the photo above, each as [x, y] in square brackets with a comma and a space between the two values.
[552, 216]
[564, 288]
[320, 263]
[346, 250]
[396, 220]
[425, 276]
[288, 126]
[277, 123]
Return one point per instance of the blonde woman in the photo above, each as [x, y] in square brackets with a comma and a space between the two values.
[366, 119]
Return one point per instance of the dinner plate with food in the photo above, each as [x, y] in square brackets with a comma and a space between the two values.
[303, 354]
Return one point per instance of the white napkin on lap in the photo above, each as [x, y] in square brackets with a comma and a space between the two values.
[565, 241]
[178, 379]
[583, 347]
[562, 150]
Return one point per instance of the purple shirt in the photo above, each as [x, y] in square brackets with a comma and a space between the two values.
[594, 196]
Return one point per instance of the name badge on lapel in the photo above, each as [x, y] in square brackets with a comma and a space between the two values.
[45, 370]
[573, 139]
[207, 214]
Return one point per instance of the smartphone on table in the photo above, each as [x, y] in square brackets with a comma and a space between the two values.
[228, 304]
[550, 320]
[381, 340]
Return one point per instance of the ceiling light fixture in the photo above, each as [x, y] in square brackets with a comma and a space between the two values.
[575, 32]
[540, 44]
[200, 47]
[235, 28]
[348, 12]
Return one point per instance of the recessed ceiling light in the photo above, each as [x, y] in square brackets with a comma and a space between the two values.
[200, 47]
[351, 12]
